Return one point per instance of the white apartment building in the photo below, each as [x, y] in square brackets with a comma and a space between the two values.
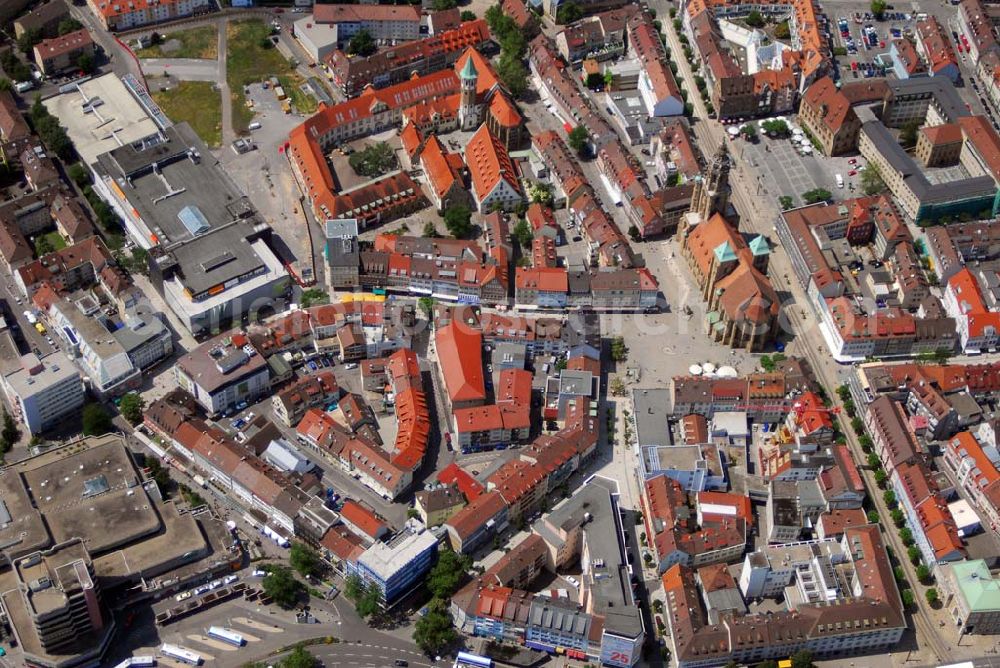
[44, 391]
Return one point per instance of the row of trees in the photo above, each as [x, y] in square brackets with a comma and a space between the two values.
[896, 514]
[513, 47]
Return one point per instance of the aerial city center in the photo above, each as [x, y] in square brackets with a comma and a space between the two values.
[499, 334]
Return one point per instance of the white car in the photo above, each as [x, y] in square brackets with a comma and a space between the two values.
[230, 579]
[352, 365]
[840, 181]
[183, 596]
[259, 573]
[572, 580]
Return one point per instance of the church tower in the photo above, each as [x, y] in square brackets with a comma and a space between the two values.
[468, 110]
[711, 191]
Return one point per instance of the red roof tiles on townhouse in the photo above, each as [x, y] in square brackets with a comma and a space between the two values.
[455, 474]
[479, 511]
[832, 105]
[489, 163]
[12, 124]
[908, 57]
[971, 304]
[364, 519]
[460, 354]
[964, 445]
[937, 47]
[740, 505]
[442, 170]
[543, 279]
[343, 543]
[68, 43]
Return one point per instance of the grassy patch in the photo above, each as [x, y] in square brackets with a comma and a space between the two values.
[52, 242]
[200, 42]
[250, 61]
[198, 103]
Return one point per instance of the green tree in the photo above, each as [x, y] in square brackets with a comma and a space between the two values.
[579, 140]
[776, 128]
[304, 559]
[299, 658]
[802, 659]
[68, 25]
[568, 12]
[468, 16]
[923, 573]
[907, 596]
[782, 31]
[619, 351]
[816, 195]
[786, 202]
[755, 19]
[131, 407]
[78, 173]
[873, 516]
[374, 160]
[889, 497]
[878, 8]
[871, 180]
[282, 587]
[512, 73]
[426, 304]
[522, 234]
[96, 420]
[897, 516]
[766, 363]
[362, 44]
[913, 552]
[906, 536]
[899, 574]
[10, 433]
[28, 39]
[458, 220]
[908, 135]
[43, 246]
[435, 631]
[873, 461]
[634, 234]
[6, 85]
[932, 596]
[442, 5]
[86, 63]
[313, 296]
[880, 477]
[430, 230]
[447, 574]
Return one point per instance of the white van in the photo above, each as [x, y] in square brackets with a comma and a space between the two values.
[840, 181]
[254, 126]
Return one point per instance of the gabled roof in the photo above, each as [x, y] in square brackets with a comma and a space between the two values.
[489, 163]
[460, 354]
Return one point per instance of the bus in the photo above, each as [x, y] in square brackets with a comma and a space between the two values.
[138, 662]
[178, 653]
[225, 635]
[464, 659]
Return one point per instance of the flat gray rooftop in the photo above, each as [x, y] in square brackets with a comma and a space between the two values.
[612, 592]
[650, 410]
[91, 490]
[220, 256]
[170, 172]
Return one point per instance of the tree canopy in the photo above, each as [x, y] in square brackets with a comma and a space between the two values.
[304, 559]
[362, 44]
[131, 407]
[458, 220]
[435, 631]
[282, 586]
[579, 139]
[96, 420]
[448, 573]
[299, 658]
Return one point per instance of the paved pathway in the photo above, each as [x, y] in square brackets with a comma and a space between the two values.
[228, 136]
[185, 69]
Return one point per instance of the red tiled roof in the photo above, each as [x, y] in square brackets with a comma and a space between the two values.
[364, 519]
[489, 163]
[460, 354]
[455, 474]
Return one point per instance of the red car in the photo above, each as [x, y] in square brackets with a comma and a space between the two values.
[853, 172]
[852, 161]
